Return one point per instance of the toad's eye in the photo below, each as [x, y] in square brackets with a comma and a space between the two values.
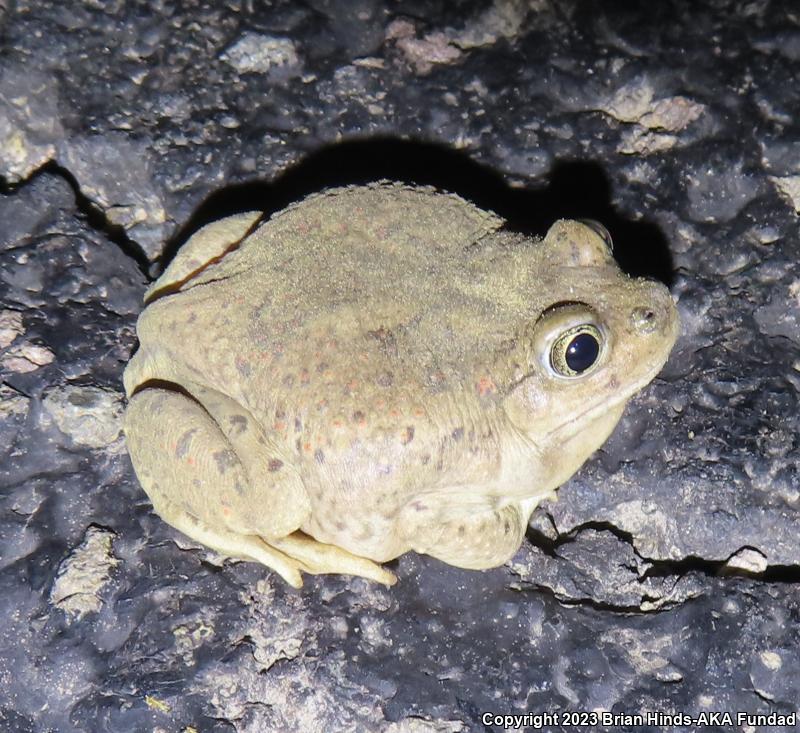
[576, 350]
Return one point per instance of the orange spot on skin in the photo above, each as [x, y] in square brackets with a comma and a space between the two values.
[352, 385]
[226, 511]
[304, 377]
[337, 423]
[486, 386]
[279, 425]
[190, 460]
[307, 447]
[394, 412]
[418, 412]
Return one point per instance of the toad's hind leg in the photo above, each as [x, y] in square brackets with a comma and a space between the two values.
[212, 474]
[230, 544]
[317, 557]
[192, 474]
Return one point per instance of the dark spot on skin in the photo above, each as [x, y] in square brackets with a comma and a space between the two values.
[196, 483]
[385, 380]
[408, 435]
[274, 465]
[238, 424]
[613, 383]
[238, 487]
[436, 381]
[261, 440]
[298, 444]
[471, 436]
[439, 464]
[340, 525]
[426, 459]
[224, 460]
[319, 456]
[182, 448]
[243, 367]
[380, 334]
[386, 339]
[321, 367]
[457, 434]
[280, 413]
[506, 527]
[461, 530]
[358, 416]
[288, 380]
[298, 425]
[418, 506]
[384, 469]
[192, 317]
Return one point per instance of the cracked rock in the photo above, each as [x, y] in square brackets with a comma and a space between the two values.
[605, 570]
[30, 125]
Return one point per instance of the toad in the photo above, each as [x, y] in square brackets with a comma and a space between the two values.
[379, 369]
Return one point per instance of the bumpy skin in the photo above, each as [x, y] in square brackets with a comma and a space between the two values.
[370, 372]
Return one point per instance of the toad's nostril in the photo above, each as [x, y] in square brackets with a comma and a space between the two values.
[644, 319]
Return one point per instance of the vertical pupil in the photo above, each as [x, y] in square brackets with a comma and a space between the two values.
[582, 352]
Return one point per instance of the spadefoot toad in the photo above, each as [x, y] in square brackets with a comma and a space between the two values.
[381, 369]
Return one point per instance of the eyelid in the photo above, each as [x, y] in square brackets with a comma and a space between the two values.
[600, 230]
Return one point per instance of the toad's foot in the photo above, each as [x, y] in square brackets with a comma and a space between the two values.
[316, 558]
[287, 557]
[232, 544]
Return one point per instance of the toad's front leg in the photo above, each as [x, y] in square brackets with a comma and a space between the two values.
[476, 533]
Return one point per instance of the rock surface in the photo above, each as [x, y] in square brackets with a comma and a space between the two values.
[665, 576]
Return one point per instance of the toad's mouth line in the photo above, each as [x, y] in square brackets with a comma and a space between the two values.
[592, 413]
